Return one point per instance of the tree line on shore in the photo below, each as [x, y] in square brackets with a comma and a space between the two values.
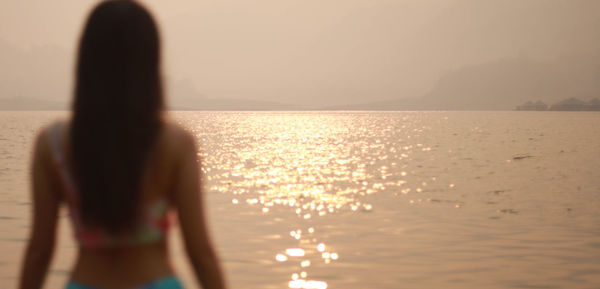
[570, 104]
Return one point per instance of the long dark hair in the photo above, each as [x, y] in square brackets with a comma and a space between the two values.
[117, 107]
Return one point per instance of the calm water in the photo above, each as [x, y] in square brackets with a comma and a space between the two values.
[371, 200]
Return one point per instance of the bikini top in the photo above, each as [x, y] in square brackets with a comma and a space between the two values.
[157, 217]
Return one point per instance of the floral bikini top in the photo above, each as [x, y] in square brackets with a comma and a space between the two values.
[157, 217]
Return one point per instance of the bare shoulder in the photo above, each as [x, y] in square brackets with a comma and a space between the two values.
[43, 159]
[42, 146]
[177, 139]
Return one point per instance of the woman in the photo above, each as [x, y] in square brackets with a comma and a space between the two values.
[119, 166]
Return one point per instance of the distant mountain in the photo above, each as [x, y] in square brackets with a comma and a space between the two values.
[570, 104]
[574, 104]
[501, 85]
[41, 73]
[496, 85]
[183, 95]
[23, 103]
[538, 105]
[594, 104]
[203, 103]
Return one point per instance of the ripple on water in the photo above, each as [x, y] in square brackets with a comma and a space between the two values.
[314, 166]
[484, 197]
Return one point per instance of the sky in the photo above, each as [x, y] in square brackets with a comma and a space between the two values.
[303, 52]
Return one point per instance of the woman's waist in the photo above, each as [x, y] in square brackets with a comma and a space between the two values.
[167, 282]
[122, 267]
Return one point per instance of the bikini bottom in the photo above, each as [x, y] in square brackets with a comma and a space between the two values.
[163, 283]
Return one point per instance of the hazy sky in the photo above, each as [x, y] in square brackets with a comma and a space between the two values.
[306, 51]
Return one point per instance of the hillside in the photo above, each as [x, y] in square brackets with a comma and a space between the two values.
[502, 85]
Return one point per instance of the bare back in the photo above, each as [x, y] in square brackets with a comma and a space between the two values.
[133, 265]
[173, 174]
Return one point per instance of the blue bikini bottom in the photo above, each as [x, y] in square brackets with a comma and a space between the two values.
[163, 283]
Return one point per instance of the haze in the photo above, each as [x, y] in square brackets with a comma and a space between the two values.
[332, 53]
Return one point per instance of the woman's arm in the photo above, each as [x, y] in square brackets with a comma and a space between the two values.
[189, 204]
[45, 212]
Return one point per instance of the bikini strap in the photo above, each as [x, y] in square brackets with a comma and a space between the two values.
[55, 138]
[54, 135]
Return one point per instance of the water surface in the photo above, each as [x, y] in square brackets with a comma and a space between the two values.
[371, 199]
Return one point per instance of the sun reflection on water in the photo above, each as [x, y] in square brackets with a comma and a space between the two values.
[312, 165]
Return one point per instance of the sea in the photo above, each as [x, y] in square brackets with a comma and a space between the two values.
[349, 200]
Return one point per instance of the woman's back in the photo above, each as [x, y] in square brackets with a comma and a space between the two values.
[154, 204]
[172, 173]
[132, 258]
